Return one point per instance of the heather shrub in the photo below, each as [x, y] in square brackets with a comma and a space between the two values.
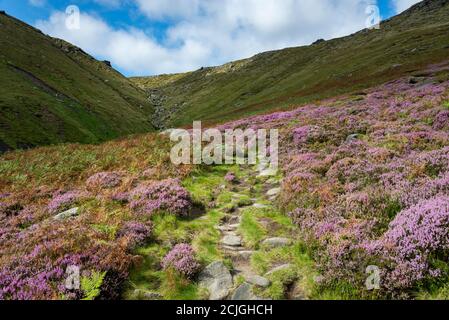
[167, 195]
[182, 259]
[441, 120]
[230, 177]
[415, 238]
[136, 233]
[308, 134]
[104, 180]
[64, 200]
[33, 262]
[9, 209]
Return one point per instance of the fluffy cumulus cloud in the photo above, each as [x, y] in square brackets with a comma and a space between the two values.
[209, 32]
[402, 5]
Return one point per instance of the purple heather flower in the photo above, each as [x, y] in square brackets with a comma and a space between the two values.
[182, 259]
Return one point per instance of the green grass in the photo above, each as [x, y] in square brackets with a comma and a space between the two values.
[250, 229]
[446, 105]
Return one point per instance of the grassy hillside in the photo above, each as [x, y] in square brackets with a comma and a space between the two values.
[282, 79]
[52, 92]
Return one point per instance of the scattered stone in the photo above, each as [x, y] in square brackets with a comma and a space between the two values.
[273, 192]
[279, 268]
[243, 255]
[244, 292]
[260, 206]
[146, 295]
[268, 173]
[67, 214]
[232, 241]
[258, 281]
[217, 279]
[353, 137]
[227, 227]
[277, 242]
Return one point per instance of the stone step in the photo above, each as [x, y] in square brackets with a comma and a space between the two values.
[276, 242]
[258, 281]
[242, 255]
[232, 241]
[233, 248]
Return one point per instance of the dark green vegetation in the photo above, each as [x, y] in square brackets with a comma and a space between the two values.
[52, 92]
[285, 78]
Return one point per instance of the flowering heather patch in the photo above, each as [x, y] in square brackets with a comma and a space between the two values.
[137, 233]
[33, 263]
[306, 134]
[104, 180]
[415, 237]
[167, 195]
[64, 200]
[230, 177]
[182, 259]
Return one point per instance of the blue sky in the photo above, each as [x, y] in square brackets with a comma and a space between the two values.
[145, 37]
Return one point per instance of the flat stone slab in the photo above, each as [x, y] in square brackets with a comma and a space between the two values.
[67, 214]
[273, 192]
[258, 281]
[279, 268]
[232, 241]
[244, 292]
[260, 206]
[277, 242]
[217, 279]
[244, 254]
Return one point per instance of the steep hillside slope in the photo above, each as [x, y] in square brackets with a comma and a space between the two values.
[281, 79]
[51, 92]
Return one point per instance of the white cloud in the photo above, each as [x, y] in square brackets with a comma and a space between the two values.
[109, 3]
[37, 3]
[210, 32]
[130, 50]
[402, 5]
